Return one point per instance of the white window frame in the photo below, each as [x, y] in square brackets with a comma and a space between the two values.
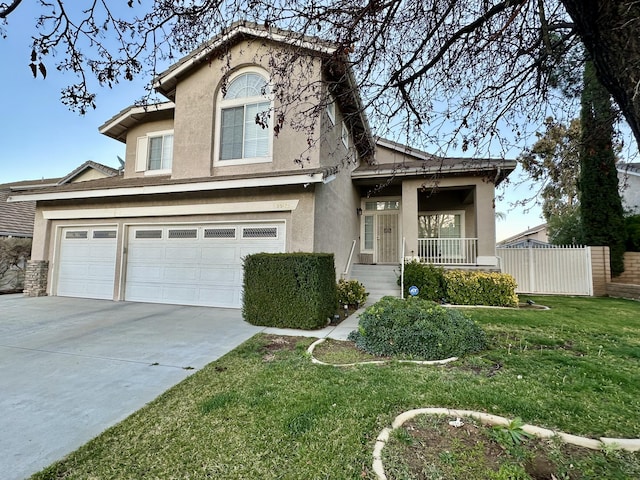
[331, 109]
[344, 135]
[222, 103]
[142, 153]
[446, 212]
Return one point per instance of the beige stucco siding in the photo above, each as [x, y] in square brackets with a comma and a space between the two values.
[337, 223]
[196, 115]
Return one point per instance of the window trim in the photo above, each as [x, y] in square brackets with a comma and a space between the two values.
[220, 103]
[331, 109]
[344, 135]
[142, 153]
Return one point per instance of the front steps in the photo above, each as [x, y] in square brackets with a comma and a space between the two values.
[378, 280]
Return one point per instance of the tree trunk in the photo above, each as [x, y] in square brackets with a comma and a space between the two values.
[610, 31]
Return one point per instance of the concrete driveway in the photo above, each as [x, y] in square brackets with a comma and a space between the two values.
[70, 368]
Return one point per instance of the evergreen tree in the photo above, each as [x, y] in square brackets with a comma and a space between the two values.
[600, 204]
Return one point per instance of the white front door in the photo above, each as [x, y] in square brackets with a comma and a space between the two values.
[381, 235]
[87, 262]
[195, 264]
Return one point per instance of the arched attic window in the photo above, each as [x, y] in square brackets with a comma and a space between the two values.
[241, 138]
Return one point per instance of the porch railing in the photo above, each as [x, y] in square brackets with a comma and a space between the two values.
[448, 251]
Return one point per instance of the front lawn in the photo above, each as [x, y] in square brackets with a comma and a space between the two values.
[264, 411]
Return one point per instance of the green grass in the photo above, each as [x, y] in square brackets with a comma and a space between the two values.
[265, 411]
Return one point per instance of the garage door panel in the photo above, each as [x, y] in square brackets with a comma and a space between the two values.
[181, 294]
[220, 296]
[186, 252]
[194, 264]
[219, 254]
[137, 273]
[146, 252]
[180, 274]
[221, 276]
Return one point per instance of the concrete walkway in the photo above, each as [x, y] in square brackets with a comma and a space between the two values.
[70, 368]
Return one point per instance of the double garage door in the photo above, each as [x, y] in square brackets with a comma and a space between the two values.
[180, 264]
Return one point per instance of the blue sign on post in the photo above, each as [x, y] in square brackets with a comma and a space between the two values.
[413, 290]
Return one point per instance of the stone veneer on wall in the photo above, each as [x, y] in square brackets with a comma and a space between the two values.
[35, 278]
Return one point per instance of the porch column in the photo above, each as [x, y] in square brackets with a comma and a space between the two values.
[486, 224]
[410, 215]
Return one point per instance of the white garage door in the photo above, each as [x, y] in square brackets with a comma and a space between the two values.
[195, 264]
[87, 262]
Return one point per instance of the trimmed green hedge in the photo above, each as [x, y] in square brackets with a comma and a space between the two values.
[460, 287]
[418, 329]
[289, 290]
[481, 288]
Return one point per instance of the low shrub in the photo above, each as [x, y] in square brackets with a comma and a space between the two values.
[351, 292]
[481, 288]
[416, 328]
[289, 290]
[428, 278]
[460, 287]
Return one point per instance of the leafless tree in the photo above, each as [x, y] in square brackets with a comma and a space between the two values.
[471, 74]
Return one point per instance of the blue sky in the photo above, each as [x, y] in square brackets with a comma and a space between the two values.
[42, 138]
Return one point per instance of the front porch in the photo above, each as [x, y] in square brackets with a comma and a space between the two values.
[417, 206]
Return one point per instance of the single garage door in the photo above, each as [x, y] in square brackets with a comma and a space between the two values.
[87, 262]
[195, 264]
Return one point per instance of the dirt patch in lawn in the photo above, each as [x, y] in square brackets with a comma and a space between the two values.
[429, 447]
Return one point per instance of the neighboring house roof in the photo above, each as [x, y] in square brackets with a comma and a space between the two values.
[415, 162]
[526, 235]
[16, 219]
[119, 186]
[629, 168]
[525, 243]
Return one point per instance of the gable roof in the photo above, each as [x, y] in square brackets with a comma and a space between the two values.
[414, 162]
[521, 236]
[337, 70]
[88, 166]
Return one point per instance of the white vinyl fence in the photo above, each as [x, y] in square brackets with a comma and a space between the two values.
[556, 270]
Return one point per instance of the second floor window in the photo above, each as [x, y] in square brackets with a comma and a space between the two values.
[245, 108]
[160, 152]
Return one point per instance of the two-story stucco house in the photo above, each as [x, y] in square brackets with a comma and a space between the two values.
[216, 173]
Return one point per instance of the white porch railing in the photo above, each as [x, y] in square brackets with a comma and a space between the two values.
[448, 251]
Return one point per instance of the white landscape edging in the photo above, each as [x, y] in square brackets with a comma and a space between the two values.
[373, 362]
[631, 445]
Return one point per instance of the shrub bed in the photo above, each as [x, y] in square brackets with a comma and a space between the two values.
[481, 288]
[460, 287]
[416, 328]
[289, 290]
